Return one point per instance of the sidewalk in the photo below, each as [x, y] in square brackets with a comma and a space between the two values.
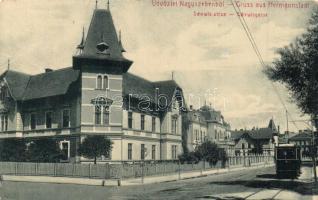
[125, 182]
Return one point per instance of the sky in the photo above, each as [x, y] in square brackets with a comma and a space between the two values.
[211, 57]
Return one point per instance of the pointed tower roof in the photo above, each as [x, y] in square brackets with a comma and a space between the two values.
[102, 42]
[272, 125]
[120, 44]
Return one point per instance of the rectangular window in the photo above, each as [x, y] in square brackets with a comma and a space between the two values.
[130, 119]
[153, 152]
[142, 122]
[153, 124]
[201, 137]
[48, 119]
[98, 115]
[142, 151]
[65, 149]
[196, 135]
[33, 121]
[129, 151]
[66, 118]
[174, 125]
[2, 122]
[106, 115]
[174, 151]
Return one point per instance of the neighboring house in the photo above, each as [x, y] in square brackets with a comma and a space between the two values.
[96, 96]
[304, 140]
[208, 124]
[255, 141]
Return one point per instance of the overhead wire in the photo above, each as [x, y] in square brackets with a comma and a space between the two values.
[258, 54]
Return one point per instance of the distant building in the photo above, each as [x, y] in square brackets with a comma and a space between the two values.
[304, 140]
[96, 96]
[208, 124]
[255, 141]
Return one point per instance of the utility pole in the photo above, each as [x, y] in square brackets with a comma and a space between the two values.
[287, 129]
[314, 150]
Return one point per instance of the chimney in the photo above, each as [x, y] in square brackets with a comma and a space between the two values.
[48, 70]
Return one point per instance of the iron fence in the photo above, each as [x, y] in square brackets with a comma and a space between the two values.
[123, 170]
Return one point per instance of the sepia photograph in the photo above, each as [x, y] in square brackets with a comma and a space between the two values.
[158, 99]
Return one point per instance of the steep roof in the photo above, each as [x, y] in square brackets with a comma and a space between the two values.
[301, 137]
[102, 30]
[261, 133]
[272, 125]
[17, 83]
[135, 85]
[236, 134]
[57, 82]
[25, 87]
[101, 46]
[50, 83]
[257, 134]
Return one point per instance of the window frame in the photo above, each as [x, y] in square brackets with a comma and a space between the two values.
[174, 124]
[130, 120]
[129, 151]
[105, 110]
[99, 122]
[6, 122]
[153, 152]
[46, 119]
[35, 121]
[68, 147]
[103, 82]
[99, 82]
[142, 122]
[2, 122]
[142, 152]
[69, 118]
[153, 124]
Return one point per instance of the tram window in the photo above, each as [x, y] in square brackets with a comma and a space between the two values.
[286, 154]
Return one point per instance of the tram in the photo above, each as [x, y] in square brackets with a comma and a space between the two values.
[288, 161]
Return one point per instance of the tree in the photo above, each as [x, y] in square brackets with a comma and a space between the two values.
[13, 150]
[297, 68]
[44, 150]
[207, 151]
[95, 146]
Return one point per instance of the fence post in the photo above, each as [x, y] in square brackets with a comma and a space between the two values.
[36, 169]
[89, 170]
[73, 170]
[54, 169]
[142, 172]
[106, 171]
[16, 168]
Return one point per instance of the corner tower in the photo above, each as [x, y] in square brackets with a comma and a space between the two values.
[101, 64]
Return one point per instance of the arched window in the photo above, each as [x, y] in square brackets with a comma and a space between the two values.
[106, 115]
[99, 82]
[105, 86]
[98, 115]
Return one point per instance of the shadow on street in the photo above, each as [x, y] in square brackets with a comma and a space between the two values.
[285, 184]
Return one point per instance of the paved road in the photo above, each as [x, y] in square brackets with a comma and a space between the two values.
[248, 184]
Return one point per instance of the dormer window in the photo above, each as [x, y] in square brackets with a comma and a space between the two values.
[103, 47]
